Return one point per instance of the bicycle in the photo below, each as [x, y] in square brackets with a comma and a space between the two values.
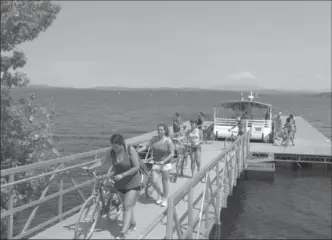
[230, 140]
[207, 135]
[94, 207]
[182, 158]
[148, 160]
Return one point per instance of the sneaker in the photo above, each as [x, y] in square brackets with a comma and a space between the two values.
[132, 227]
[159, 200]
[121, 236]
[163, 203]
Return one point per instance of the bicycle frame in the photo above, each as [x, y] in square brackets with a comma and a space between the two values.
[98, 188]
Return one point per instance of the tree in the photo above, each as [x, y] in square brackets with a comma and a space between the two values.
[26, 128]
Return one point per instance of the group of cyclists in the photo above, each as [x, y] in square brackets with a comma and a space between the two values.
[124, 164]
[285, 134]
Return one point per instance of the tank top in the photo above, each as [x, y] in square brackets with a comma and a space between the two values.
[193, 136]
[200, 121]
[241, 127]
[160, 149]
[127, 182]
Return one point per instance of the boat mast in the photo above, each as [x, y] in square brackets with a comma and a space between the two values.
[251, 97]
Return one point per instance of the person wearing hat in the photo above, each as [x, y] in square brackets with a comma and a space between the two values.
[240, 126]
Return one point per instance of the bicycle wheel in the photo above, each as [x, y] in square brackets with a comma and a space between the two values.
[114, 206]
[150, 192]
[228, 141]
[184, 163]
[89, 213]
[208, 138]
[174, 176]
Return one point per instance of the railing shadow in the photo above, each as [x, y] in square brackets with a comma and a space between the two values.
[104, 224]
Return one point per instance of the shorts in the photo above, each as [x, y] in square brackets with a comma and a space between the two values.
[162, 168]
[124, 191]
[195, 148]
[240, 133]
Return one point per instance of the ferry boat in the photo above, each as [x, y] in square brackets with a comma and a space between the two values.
[256, 116]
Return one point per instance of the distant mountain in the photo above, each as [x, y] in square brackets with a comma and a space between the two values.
[245, 88]
[41, 86]
[238, 87]
[325, 94]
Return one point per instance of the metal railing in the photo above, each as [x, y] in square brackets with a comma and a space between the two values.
[220, 176]
[248, 123]
[57, 169]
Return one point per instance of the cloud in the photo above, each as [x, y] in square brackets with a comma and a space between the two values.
[242, 76]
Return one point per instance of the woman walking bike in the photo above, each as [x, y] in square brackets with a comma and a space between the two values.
[183, 151]
[162, 152]
[195, 138]
[124, 171]
[104, 199]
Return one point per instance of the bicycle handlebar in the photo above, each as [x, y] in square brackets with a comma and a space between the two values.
[102, 177]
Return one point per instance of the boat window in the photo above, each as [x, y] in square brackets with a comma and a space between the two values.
[247, 110]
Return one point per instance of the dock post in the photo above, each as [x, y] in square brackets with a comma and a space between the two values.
[170, 219]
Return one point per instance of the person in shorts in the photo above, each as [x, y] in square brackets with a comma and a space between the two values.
[162, 152]
[177, 123]
[240, 125]
[124, 170]
[195, 138]
[200, 120]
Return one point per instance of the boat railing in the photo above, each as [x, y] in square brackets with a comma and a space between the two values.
[224, 170]
[56, 175]
[247, 122]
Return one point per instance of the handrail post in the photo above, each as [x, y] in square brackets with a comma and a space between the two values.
[170, 218]
[60, 201]
[190, 213]
[219, 189]
[10, 209]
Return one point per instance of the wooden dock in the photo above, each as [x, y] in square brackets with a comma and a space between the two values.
[146, 211]
[62, 224]
[308, 142]
[192, 201]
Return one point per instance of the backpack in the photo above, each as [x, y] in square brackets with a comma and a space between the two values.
[143, 170]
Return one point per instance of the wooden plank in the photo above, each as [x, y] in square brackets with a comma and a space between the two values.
[144, 218]
[308, 141]
[260, 167]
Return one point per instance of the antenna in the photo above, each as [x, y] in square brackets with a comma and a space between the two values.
[251, 97]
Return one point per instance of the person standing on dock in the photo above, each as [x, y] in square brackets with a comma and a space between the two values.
[177, 123]
[124, 170]
[277, 126]
[291, 129]
[195, 138]
[162, 152]
[240, 125]
[200, 120]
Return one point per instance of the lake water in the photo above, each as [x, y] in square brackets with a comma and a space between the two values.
[295, 205]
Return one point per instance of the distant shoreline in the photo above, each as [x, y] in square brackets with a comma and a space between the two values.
[260, 91]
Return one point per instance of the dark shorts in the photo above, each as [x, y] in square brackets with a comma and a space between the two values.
[176, 129]
[124, 191]
[241, 133]
[196, 148]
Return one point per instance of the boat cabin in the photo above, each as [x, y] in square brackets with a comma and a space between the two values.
[256, 116]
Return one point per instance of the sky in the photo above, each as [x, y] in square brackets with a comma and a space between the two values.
[206, 44]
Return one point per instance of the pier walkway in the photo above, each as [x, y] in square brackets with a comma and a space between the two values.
[194, 203]
[146, 211]
[186, 205]
[308, 141]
